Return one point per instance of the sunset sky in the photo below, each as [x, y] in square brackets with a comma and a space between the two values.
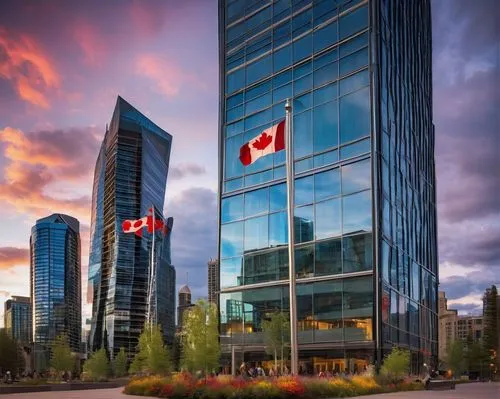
[62, 64]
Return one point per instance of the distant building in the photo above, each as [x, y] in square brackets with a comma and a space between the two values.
[213, 281]
[17, 319]
[453, 327]
[55, 284]
[184, 302]
[130, 177]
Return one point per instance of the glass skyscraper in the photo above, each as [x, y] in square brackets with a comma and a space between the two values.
[130, 177]
[359, 75]
[17, 319]
[55, 268]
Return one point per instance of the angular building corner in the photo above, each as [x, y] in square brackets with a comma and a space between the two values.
[130, 177]
[359, 74]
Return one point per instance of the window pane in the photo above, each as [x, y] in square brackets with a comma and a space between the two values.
[256, 233]
[302, 48]
[328, 258]
[302, 134]
[304, 190]
[328, 311]
[232, 209]
[257, 202]
[236, 80]
[259, 69]
[231, 239]
[356, 176]
[327, 184]
[325, 37]
[325, 93]
[358, 309]
[231, 272]
[258, 90]
[328, 219]
[355, 115]
[304, 261]
[357, 212]
[326, 126]
[261, 268]
[354, 62]
[305, 319]
[354, 82]
[358, 253]
[278, 229]
[325, 74]
[304, 224]
[385, 261]
[233, 165]
[358, 148]
[326, 159]
[354, 44]
[277, 197]
[353, 22]
[302, 103]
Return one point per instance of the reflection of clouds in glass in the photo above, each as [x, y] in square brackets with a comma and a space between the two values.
[231, 239]
[231, 269]
[356, 176]
[357, 212]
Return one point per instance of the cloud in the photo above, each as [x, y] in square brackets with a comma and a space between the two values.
[30, 70]
[185, 170]
[36, 161]
[91, 42]
[4, 293]
[12, 256]
[166, 76]
[194, 236]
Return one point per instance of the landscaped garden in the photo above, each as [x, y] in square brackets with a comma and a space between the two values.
[184, 385]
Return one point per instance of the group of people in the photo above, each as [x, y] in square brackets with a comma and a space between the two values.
[256, 371]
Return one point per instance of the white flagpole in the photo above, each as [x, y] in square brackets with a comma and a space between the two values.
[290, 175]
[151, 271]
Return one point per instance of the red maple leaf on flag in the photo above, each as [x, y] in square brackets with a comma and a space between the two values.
[262, 142]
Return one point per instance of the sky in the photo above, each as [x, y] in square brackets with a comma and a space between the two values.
[62, 64]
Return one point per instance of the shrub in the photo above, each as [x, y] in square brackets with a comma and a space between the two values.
[96, 368]
[396, 366]
[365, 385]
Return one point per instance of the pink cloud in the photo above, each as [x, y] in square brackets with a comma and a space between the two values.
[168, 78]
[91, 42]
[29, 69]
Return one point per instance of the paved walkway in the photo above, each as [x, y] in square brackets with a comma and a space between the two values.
[480, 390]
[476, 390]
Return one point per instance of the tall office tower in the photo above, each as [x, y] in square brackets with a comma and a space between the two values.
[359, 76]
[17, 319]
[55, 268]
[130, 177]
[183, 303]
[213, 281]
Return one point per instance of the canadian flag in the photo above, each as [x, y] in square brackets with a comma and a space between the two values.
[136, 226]
[268, 142]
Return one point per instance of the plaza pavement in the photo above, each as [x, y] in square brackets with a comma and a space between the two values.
[479, 390]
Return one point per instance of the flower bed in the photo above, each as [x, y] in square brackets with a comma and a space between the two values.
[225, 387]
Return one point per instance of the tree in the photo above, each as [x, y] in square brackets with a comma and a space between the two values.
[277, 336]
[490, 315]
[477, 359]
[96, 368]
[61, 360]
[200, 338]
[152, 356]
[455, 358]
[11, 357]
[396, 365]
[120, 363]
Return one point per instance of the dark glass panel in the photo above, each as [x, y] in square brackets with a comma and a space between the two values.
[328, 259]
[358, 253]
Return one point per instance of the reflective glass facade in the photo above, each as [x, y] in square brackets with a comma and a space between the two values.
[17, 319]
[56, 280]
[130, 177]
[323, 55]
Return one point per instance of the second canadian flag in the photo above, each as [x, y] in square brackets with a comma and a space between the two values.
[268, 142]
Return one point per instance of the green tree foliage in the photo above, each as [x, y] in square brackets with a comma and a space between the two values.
[277, 336]
[455, 358]
[490, 315]
[396, 365]
[96, 368]
[120, 364]
[61, 360]
[11, 356]
[152, 357]
[200, 338]
[477, 358]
